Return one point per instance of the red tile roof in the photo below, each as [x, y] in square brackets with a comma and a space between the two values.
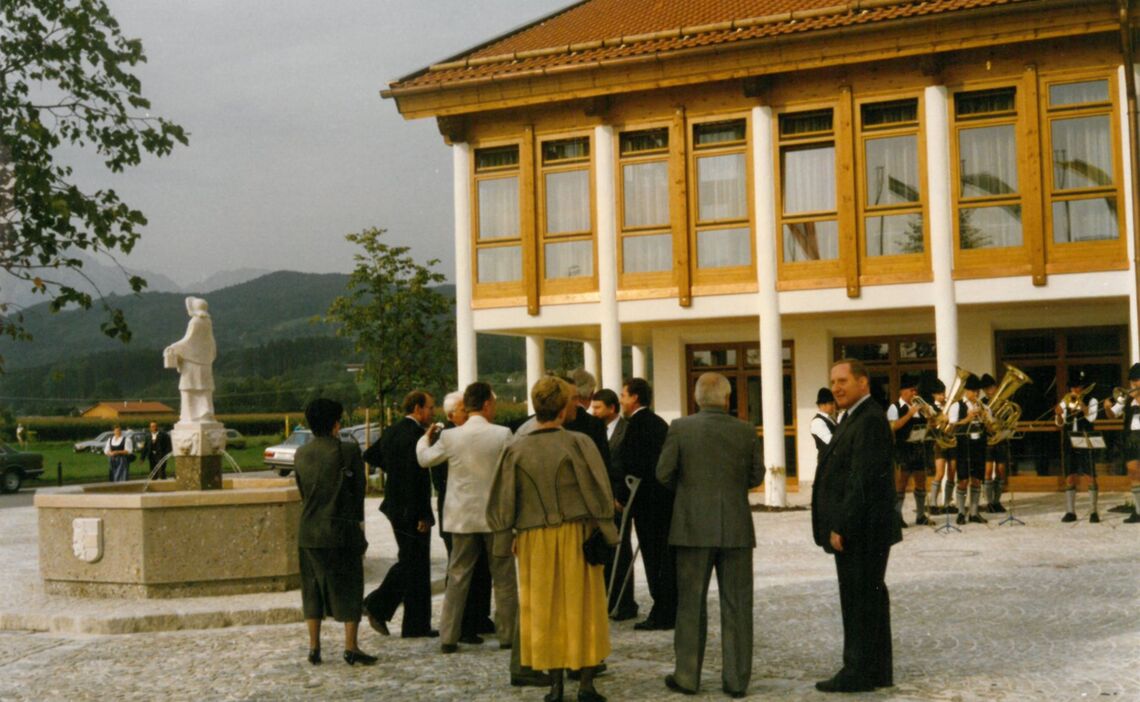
[131, 407]
[595, 31]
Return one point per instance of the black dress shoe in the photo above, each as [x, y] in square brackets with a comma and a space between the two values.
[1069, 517]
[534, 679]
[672, 684]
[977, 519]
[448, 648]
[961, 519]
[647, 625]
[1133, 518]
[429, 634]
[843, 683]
[315, 656]
[354, 657]
[997, 508]
[737, 695]
[485, 627]
[920, 521]
[1094, 518]
[471, 639]
[378, 625]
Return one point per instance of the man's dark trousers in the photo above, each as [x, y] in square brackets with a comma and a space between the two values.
[652, 513]
[407, 582]
[865, 603]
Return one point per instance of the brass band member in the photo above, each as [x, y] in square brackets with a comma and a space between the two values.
[1128, 407]
[910, 461]
[823, 423]
[968, 418]
[997, 456]
[943, 480]
[1076, 417]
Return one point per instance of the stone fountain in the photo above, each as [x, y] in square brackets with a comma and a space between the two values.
[198, 534]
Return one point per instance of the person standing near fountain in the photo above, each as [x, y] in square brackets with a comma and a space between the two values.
[120, 451]
[193, 355]
[330, 538]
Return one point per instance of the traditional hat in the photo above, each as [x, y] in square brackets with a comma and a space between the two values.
[1134, 372]
[909, 380]
[937, 386]
[973, 383]
[1076, 378]
[824, 396]
[988, 380]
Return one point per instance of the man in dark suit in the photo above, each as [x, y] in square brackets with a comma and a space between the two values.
[652, 507]
[407, 505]
[853, 517]
[711, 460]
[605, 407]
[156, 446]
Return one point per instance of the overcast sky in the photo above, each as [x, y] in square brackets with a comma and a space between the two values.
[291, 146]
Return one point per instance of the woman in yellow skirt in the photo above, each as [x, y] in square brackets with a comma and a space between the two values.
[552, 489]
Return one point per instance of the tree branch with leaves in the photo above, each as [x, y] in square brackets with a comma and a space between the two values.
[66, 80]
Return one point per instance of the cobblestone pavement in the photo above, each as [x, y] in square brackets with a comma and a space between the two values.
[1046, 611]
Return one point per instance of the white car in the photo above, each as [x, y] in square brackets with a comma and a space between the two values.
[281, 456]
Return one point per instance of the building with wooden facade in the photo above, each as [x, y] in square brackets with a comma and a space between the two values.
[761, 187]
[126, 409]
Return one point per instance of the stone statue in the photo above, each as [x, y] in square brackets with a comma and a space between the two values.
[193, 356]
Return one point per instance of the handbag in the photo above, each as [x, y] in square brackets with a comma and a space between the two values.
[596, 550]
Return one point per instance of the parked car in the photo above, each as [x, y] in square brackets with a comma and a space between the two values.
[280, 456]
[362, 434]
[234, 439]
[18, 466]
[96, 445]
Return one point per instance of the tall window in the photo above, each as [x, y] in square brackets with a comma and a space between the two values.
[892, 186]
[567, 232]
[646, 235]
[988, 192]
[1082, 186]
[498, 244]
[723, 231]
[810, 227]
[888, 358]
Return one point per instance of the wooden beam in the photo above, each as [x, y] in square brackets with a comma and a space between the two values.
[845, 179]
[679, 207]
[528, 213]
[1033, 199]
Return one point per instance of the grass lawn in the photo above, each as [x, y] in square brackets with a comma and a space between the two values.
[93, 467]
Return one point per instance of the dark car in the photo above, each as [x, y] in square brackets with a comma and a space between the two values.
[18, 466]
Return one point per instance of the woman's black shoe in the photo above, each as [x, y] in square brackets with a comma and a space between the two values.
[590, 696]
[354, 657]
[315, 656]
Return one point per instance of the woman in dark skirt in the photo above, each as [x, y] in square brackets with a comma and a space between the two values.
[330, 476]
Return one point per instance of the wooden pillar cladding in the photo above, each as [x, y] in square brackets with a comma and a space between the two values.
[1032, 196]
[528, 214]
[679, 207]
[845, 174]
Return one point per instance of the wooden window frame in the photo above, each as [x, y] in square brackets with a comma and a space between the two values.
[503, 293]
[998, 261]
[1110, 254]
[894, 365]
[895, 268]
[727, 279]
[656, 283]
[564, 289]
[793, 275]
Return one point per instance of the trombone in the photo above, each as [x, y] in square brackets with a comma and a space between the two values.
[1073, 403]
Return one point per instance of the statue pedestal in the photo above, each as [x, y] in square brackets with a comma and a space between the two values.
[198, 448]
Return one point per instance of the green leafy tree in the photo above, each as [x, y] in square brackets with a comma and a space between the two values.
[400, 326]
[66, 81]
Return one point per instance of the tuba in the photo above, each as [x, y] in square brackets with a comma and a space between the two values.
[1004, 412]
[939, 428]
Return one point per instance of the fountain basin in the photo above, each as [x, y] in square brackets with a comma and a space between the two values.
[154, 540]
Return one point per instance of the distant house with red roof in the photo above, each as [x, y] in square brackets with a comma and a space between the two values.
[126, 408]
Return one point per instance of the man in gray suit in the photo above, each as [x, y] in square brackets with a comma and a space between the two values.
[711, 460]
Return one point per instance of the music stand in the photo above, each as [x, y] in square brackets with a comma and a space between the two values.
[947, 527]
[1009, 518]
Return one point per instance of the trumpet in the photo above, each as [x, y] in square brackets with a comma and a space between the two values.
[927, 410]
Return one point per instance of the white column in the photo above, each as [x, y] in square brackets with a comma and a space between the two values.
[467, 368]
[1129, 220]
[535, 365]
[941, 229]
[638, 355]
[607, 258]
[771, 332]
[591, 357]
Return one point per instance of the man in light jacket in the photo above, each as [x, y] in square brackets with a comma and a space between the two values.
[710, 460]
[472, 452]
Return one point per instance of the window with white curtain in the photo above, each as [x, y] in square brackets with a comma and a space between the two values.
[723, 229]
[498, 246]
[646, 231]
[1082, 178]
[892, 186]
[810, 230]
[567, 231]
[988, 190]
